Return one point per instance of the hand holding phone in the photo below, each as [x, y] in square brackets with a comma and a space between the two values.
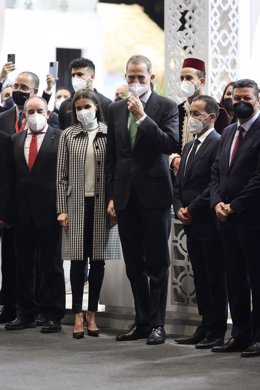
[11, 58]
[53, 69]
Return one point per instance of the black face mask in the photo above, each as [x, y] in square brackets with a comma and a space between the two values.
[9, 102]
[228, 104]
[243, 110]
[20, 97]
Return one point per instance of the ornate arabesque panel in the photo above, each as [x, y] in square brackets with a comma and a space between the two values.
[206, 29]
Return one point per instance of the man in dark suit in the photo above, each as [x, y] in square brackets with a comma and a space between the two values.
[83, 76]
[235, 194]
[34, 220]
[193, 79]
[12, 121]
[6, 174]
[142, 132]
[191, 203]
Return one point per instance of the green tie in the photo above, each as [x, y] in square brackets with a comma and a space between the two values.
[132, 129]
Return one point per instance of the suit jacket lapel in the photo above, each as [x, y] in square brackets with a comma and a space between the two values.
[46, 143]
[20, 150]
[244, 143]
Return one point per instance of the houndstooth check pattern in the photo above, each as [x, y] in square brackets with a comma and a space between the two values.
[71, 193]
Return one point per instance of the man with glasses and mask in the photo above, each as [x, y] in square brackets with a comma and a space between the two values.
[193, 80]
[235, 195]
[191, 203]
[82, 77]
[142, 132]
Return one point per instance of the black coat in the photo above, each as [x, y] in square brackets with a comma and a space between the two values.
[146, 167]
[239, 182]
[35, 190]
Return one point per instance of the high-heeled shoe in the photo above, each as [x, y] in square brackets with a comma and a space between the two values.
[93, 333]
[78, 335]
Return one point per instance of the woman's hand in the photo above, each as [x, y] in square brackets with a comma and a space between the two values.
[110, 208]
[63, 220]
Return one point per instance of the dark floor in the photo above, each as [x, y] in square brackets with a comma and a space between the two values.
[31, 360]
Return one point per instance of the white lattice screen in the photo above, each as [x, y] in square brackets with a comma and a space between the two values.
[206, 29]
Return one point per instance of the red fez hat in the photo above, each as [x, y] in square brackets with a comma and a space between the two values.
[194, 63]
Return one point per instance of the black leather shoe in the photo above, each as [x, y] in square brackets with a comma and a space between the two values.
[232, 345]
[51, 327]
[157, 336]
[20, 323]
[134, 334]
[7, 315]
[191, 340]
[252, 351]
[210, 342]
[40, 320]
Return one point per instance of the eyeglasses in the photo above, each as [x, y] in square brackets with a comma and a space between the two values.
[22, 87]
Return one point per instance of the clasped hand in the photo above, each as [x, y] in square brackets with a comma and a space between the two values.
[135, 107]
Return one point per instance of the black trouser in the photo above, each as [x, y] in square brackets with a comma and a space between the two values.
[27, 240]
[206, 256]
[95, 280]
[77, 269]
[8, 290]
[241, 254]
[144, 234]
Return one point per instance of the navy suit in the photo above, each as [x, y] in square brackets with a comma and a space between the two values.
[36, 227]
[203, 242]
[239, 185]
[139, 182]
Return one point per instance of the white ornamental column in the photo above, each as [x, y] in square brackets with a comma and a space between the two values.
[205, 29]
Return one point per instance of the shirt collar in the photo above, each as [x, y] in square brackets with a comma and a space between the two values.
[246, 126]
[43, 131]
[203, 136]
[146, 96]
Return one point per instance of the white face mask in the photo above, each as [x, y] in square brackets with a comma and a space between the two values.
[138, 89]
[36, 122]
[187, 88]
[86, 116]
[79, 83]
[196, 126]
[59, 102]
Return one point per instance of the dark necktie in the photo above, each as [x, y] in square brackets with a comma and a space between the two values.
[33, 150]
[20, 119]
[132, 129]
[238, 141]
[192, 154]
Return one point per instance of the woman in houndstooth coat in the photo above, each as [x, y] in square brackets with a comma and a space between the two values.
[81, 205]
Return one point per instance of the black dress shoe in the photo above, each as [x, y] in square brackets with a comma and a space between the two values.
[191, 340]
[51, 327]
[157, 336]
[40, 320]
[134, 334]
[7, 316]
[252, 351]
[20, 323]
[232, 345]
[78, 335]
[210, 342]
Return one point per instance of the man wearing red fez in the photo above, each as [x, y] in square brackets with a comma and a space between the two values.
[193, 79]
